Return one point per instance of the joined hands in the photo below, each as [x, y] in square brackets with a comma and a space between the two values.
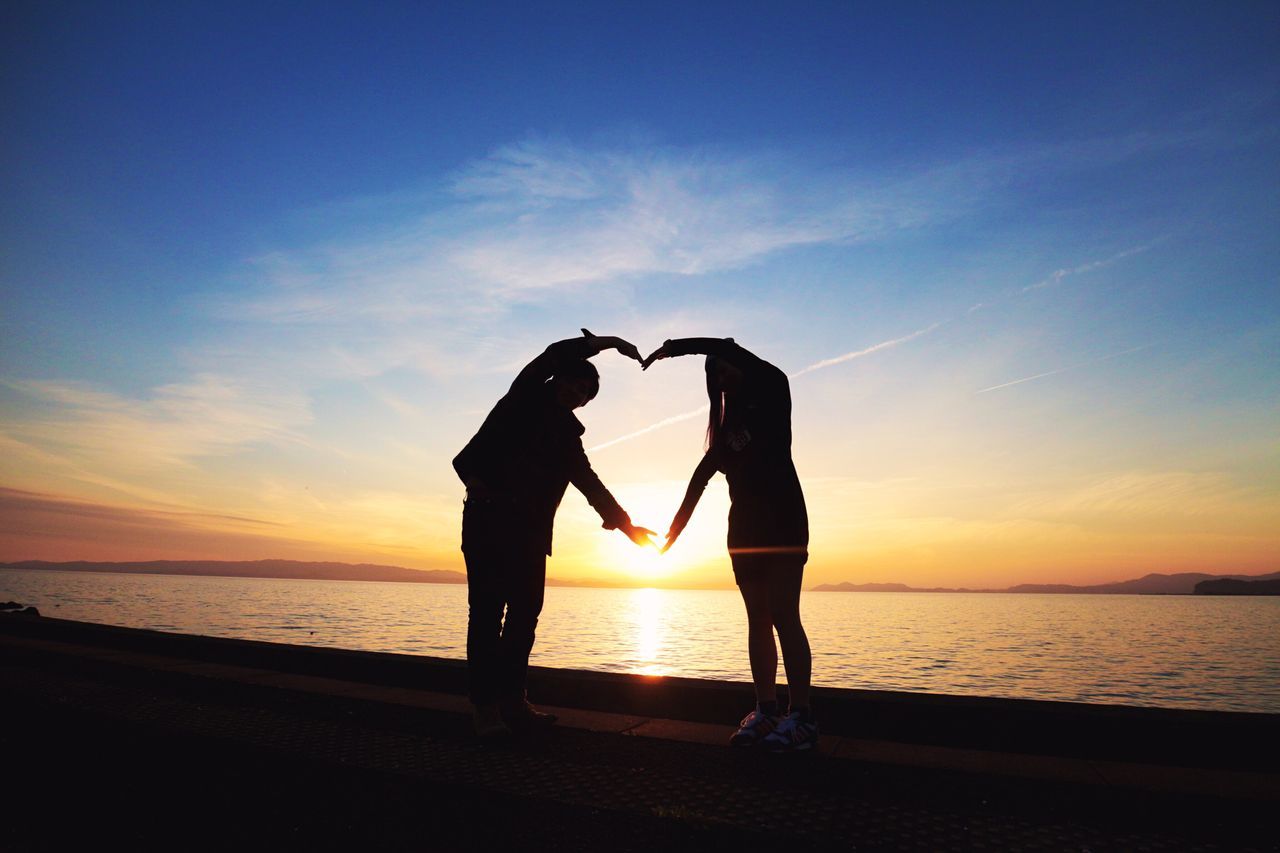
[628, 349]
[642, 536]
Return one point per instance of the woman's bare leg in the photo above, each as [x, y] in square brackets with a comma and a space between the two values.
[796, 654]
[761, 648]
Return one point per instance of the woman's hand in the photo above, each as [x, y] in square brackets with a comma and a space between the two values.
[628, 349]
[673, 533]
[658, 354]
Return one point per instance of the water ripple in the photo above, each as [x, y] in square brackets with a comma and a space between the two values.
[1178, 651]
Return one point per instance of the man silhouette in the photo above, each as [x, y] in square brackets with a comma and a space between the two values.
[516, 470]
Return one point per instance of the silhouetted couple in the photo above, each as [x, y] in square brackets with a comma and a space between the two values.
[529, 449]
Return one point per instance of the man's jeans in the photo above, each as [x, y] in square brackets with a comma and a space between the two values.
[504, 572]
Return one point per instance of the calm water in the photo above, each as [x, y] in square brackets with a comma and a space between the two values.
[1184, 651]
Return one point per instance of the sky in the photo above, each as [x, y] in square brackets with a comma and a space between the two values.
[264, 268]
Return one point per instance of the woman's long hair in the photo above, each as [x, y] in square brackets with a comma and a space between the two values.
[715, 396]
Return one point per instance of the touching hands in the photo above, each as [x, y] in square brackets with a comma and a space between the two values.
[624, 347]
[660, 353]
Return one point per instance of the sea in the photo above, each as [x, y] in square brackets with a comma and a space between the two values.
[1212, 652]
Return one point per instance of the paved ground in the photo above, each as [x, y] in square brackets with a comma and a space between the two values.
[158, 751]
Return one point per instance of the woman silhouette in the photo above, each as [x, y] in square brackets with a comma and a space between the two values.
[749, 439]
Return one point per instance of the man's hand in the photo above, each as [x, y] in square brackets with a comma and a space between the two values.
[638, 535]
[629, 350]
[610, 342]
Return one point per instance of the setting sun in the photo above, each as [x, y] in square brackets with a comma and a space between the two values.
[697, 550]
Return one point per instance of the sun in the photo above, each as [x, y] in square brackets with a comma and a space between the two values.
[653, 505]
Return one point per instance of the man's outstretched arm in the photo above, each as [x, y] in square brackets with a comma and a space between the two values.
[613, 516]
[543, 367]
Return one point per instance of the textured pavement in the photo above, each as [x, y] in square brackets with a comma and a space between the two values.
[154, 750]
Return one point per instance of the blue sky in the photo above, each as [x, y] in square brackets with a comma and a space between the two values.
[275, 264]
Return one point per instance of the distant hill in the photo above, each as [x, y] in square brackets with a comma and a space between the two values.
[1231, 586]
[1183, 583]
[288, 569]
[1154, 584]
[292, 569]
[889, 587]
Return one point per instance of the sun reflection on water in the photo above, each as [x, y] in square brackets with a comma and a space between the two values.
[647, 616]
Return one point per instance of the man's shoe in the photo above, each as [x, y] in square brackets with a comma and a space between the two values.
[794, 734]
[488, 722]
[754, 728]
[522, 716]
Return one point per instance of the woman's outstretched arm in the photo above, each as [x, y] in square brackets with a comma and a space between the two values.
[725, 348]
[697, 485]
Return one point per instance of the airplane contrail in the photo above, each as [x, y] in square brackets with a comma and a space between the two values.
[668, 421]
[850, 356]
[817, 365]
[1058, 275]
[1062, 369]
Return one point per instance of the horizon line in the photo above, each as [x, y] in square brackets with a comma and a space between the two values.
[592, 583]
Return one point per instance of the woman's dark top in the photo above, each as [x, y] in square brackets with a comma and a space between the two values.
[767, 512]
[528, 451]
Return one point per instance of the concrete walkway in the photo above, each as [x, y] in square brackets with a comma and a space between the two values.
[117, 741]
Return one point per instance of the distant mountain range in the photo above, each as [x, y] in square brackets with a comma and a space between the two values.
[1183, 583]
[292, 569]
[1153, 584]
[286, 569]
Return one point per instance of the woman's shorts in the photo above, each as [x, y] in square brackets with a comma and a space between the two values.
[784, 568]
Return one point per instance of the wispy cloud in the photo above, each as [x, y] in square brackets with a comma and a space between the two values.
[205, 416]
[543, 221]
[36, 501]
[583, 216]
[1150, 493]
[53, 527]
[542, 216]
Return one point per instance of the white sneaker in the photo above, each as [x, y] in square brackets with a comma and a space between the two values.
[754, 728]
[793, 734]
